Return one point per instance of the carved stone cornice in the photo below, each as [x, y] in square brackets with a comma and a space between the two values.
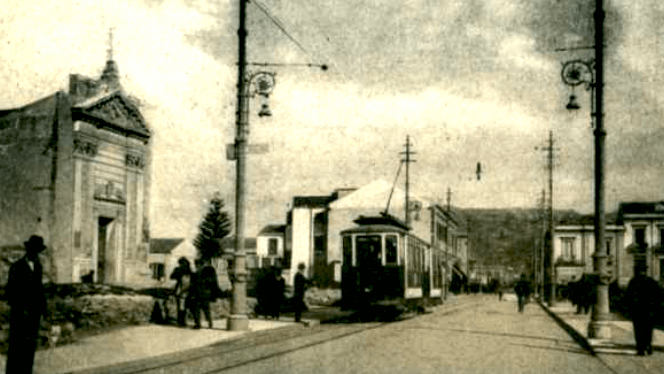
[85, 147]
[133, 160]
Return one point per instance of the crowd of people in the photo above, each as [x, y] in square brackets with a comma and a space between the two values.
[194, 291]
[270, 293]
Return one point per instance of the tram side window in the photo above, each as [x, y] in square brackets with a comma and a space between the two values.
[348, 251]
[391, 247]
[414, 265]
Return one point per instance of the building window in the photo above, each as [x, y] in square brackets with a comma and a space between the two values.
[640, 236]
[157, 270]
[391, 249]
[272, 245]
[609, 242]
[661, 235]
[568, 248]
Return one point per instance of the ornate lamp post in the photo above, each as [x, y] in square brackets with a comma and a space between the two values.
[258, 83]
[591, 74]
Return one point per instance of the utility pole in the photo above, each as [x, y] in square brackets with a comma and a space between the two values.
[449, 200]
[238, 320]
[552, 301]
[551, 272]
[407, 161]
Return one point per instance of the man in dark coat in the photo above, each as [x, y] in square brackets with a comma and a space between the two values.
[25, 294]
[643, 298]
[299, 287]
[522, 290]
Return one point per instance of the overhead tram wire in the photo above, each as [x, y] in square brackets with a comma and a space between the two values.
[279, 25]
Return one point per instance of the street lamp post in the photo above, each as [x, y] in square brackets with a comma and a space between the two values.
[248, 86]
[591, 73]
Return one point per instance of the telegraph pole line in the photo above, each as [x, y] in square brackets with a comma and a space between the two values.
[407, 160]
[449, 199]
[551, 276]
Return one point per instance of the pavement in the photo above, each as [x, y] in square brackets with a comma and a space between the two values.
[136, 343]
[619, 351]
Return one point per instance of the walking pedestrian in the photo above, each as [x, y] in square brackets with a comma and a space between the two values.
[25, 294]
[182, 275]
[643, 297]
[299, 287]
[205, 290]
[522, 290]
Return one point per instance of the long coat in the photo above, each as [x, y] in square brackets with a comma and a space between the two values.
[25, 294]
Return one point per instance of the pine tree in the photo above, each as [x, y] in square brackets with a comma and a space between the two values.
[215, 226]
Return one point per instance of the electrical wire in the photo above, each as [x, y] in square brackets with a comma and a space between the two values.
[279, 25]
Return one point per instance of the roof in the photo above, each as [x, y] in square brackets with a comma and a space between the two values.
[312, 201]
[164, 246]
[228, 243]
[45, 105]
[641, 208]
[375, 195]
[273, 229]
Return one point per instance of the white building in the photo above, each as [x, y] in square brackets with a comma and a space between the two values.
[636, 235]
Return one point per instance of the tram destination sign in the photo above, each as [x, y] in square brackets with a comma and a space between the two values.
[260, 148]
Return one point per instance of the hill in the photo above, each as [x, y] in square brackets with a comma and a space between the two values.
[508, 236]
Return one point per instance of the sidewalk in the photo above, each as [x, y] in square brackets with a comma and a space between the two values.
[135, 343]
[143, 342]
[618, 352]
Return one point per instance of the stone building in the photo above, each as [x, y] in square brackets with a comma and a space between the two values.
[75, 170]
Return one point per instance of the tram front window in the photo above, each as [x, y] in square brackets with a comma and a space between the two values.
[391, 249]
[368, 251]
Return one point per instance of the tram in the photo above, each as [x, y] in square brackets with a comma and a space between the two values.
[385, 264]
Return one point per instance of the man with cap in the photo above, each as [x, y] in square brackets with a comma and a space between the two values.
[643, 298]
[25, 294]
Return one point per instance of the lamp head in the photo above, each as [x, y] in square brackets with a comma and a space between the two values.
[265, 111]
[572, 104]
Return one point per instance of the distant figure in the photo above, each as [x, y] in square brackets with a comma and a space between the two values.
[522, 290]
[584, 294]
[204, 290]
[500, 294]
[643, 298]
[299, 287]
[277, 287]
[89, 277]
[25, 294]
[182, 275]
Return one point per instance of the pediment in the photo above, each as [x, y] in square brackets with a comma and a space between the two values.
[117, 110]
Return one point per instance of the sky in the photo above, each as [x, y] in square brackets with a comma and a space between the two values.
[467, 80]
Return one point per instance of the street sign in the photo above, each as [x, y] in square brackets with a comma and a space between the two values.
[231, 153]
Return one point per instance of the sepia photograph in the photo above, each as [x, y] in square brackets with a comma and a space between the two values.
[331, 186]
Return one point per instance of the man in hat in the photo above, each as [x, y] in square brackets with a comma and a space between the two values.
[25, 294]
[643, 298]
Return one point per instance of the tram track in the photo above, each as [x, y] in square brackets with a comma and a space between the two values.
[261, 346]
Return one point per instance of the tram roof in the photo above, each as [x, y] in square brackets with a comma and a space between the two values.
[375, 228]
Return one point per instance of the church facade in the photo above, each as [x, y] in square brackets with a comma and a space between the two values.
[75, 169]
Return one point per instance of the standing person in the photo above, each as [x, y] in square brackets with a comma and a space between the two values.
[643, 297]
[25, 294]
[205, 290]
[299, 287]
[182, 275]
[278, 286]
[522, 290]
